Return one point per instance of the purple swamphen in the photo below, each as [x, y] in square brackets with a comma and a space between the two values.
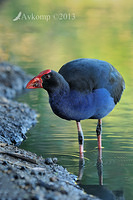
[82, 89]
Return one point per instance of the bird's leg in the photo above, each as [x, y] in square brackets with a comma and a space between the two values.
[99, 133]
[80, 139]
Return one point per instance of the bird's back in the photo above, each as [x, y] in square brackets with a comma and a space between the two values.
[86, 75]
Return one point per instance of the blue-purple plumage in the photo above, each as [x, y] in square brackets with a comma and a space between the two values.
[86, 75]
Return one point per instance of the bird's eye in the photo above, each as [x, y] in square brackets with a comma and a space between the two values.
[47, 76]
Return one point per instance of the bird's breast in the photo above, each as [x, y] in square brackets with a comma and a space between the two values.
[79, 106]
[75, 106]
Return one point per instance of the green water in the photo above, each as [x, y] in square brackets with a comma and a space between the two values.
[51, 33]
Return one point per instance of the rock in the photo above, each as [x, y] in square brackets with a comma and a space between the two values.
[53, 178]
[55, 160]
[49, 161]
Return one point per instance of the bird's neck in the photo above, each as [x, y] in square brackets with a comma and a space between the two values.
[62, 90]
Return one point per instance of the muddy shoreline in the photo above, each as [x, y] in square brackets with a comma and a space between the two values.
[26, 175]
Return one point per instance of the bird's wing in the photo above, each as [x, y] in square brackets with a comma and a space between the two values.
[86, 75]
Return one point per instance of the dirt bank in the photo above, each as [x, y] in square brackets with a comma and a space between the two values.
[24, 176]
[15, 119]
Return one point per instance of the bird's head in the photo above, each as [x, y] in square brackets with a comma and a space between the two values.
[48, 79]
[37, 81]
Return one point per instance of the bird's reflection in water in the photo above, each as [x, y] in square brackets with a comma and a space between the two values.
[99, 191]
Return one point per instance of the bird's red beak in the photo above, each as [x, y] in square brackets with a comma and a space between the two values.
[36, 82]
